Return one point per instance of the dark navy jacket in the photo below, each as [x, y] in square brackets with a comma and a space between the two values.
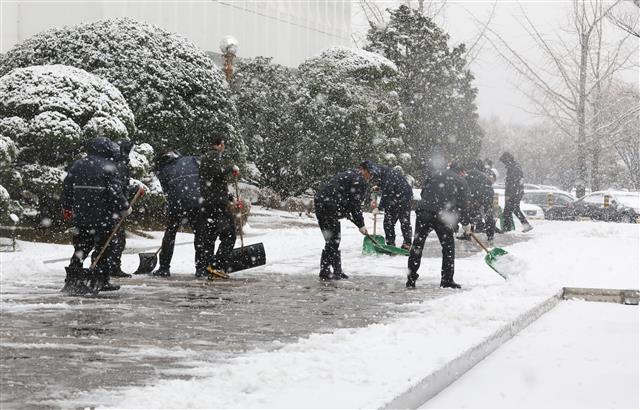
[514, 181]
[446, 194]
[480, 187]
[180, 180]
[343, 196]
[395, 190]
[93, 187]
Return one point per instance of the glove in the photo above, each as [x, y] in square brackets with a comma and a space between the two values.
[374, 204]
[363, 230]
[235, 171]
[466, 228]
[142, 191]
[67, 215]
[240, 205]
[375, 211]
[126, 212]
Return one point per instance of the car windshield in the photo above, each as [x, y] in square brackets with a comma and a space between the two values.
[629, 200]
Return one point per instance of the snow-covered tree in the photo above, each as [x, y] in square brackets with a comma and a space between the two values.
[177, 94]
[264, 94]
[47, 113]
[44, 108]
[348, 111]
[434, 85]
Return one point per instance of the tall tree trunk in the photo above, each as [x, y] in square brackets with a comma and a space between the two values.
[582, 97]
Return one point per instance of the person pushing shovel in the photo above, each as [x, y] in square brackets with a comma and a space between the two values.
[341, 197]
[93, 199]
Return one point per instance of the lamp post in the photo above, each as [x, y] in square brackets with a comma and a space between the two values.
[229, 48]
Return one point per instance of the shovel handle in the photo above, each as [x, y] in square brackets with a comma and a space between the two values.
[473, 235]
[235, 183]
[115, 229]
[371, 238]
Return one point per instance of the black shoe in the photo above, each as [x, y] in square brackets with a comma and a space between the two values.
[201, 273]
[325, 275]
[449, 284]
[411, 280]
[164, 272]
[463, 237]
[340, 275]
[119, 274]
[109, 287]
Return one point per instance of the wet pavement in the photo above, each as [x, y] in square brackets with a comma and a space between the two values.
[55, 347]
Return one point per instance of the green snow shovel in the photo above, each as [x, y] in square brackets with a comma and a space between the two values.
[492, 256]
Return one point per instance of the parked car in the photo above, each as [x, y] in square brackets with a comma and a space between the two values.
[622, 206]
[546, 198]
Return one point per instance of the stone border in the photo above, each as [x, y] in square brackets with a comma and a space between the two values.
[437, 381]
[624, 296]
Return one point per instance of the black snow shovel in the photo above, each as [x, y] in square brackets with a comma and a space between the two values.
[148, 262]
[81, 276]
[245, 257]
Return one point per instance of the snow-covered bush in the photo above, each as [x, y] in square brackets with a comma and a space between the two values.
[348, 112]
[7, 152]
[269, 198]
[264, 94]
[140, 160]
[45, 108]
[179, 97]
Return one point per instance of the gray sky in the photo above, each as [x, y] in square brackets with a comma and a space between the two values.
[497, 83]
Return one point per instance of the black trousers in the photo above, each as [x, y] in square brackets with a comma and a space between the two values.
[425, 223]
[482, 216]
[120, 242]
[190, 217]
[217, 222]
[329, 224]
[391, 216]
[85, 239]
[512, 206]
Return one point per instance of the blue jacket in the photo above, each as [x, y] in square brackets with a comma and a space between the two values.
[93, 187]
[343, 195]
[395, 190]
[180, 180]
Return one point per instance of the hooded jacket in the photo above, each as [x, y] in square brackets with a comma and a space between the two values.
[343, 195]
[514, 181]
[395, 190]
[214, 186]
[180, 180]
[93, 187]
[480, 186]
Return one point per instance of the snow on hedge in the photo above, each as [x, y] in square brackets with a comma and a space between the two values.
[355, 62]
[177, 94]
[44, 108]
[7, 151]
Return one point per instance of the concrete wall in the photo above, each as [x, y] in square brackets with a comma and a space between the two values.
[287, 30]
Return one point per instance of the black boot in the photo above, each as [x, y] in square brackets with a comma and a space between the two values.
[164, 272]
[337, 267]
[449, 283]
[325, 266]
[100, 281]
[411, 279]
[118, 273]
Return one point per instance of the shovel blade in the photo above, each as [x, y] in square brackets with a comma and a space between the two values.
[368, 246]
[148, 262]
[76, 282]
[492, 258]
[247, 257]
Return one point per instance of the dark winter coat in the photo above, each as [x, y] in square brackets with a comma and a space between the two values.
[480, 186]
[395, 190]
[514, 181]
[180, 180]
[446, 194]
[343, 196]
[93, 187]
[214, 186]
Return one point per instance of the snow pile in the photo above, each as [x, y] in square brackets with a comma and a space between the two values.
[177, 93]
[356, 62]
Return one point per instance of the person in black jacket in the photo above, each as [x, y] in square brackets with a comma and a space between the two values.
[180, 179]
[443, 203]
[395, 201]
[341, 197]
[216, 218]
[120, 240]
[480, 198]
[513, 192]
[93, 198]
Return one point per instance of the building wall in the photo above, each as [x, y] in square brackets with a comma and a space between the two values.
[287, 30]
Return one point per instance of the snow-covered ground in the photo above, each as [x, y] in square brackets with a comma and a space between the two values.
[367, 367]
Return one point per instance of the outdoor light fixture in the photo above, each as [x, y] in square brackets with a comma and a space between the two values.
[229, 48]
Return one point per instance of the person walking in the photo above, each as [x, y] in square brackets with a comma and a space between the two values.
[93, 198]
[395, 201]
[443, 203]
[180, 180]
[341, 197]
[216, 217]
[513, 192]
